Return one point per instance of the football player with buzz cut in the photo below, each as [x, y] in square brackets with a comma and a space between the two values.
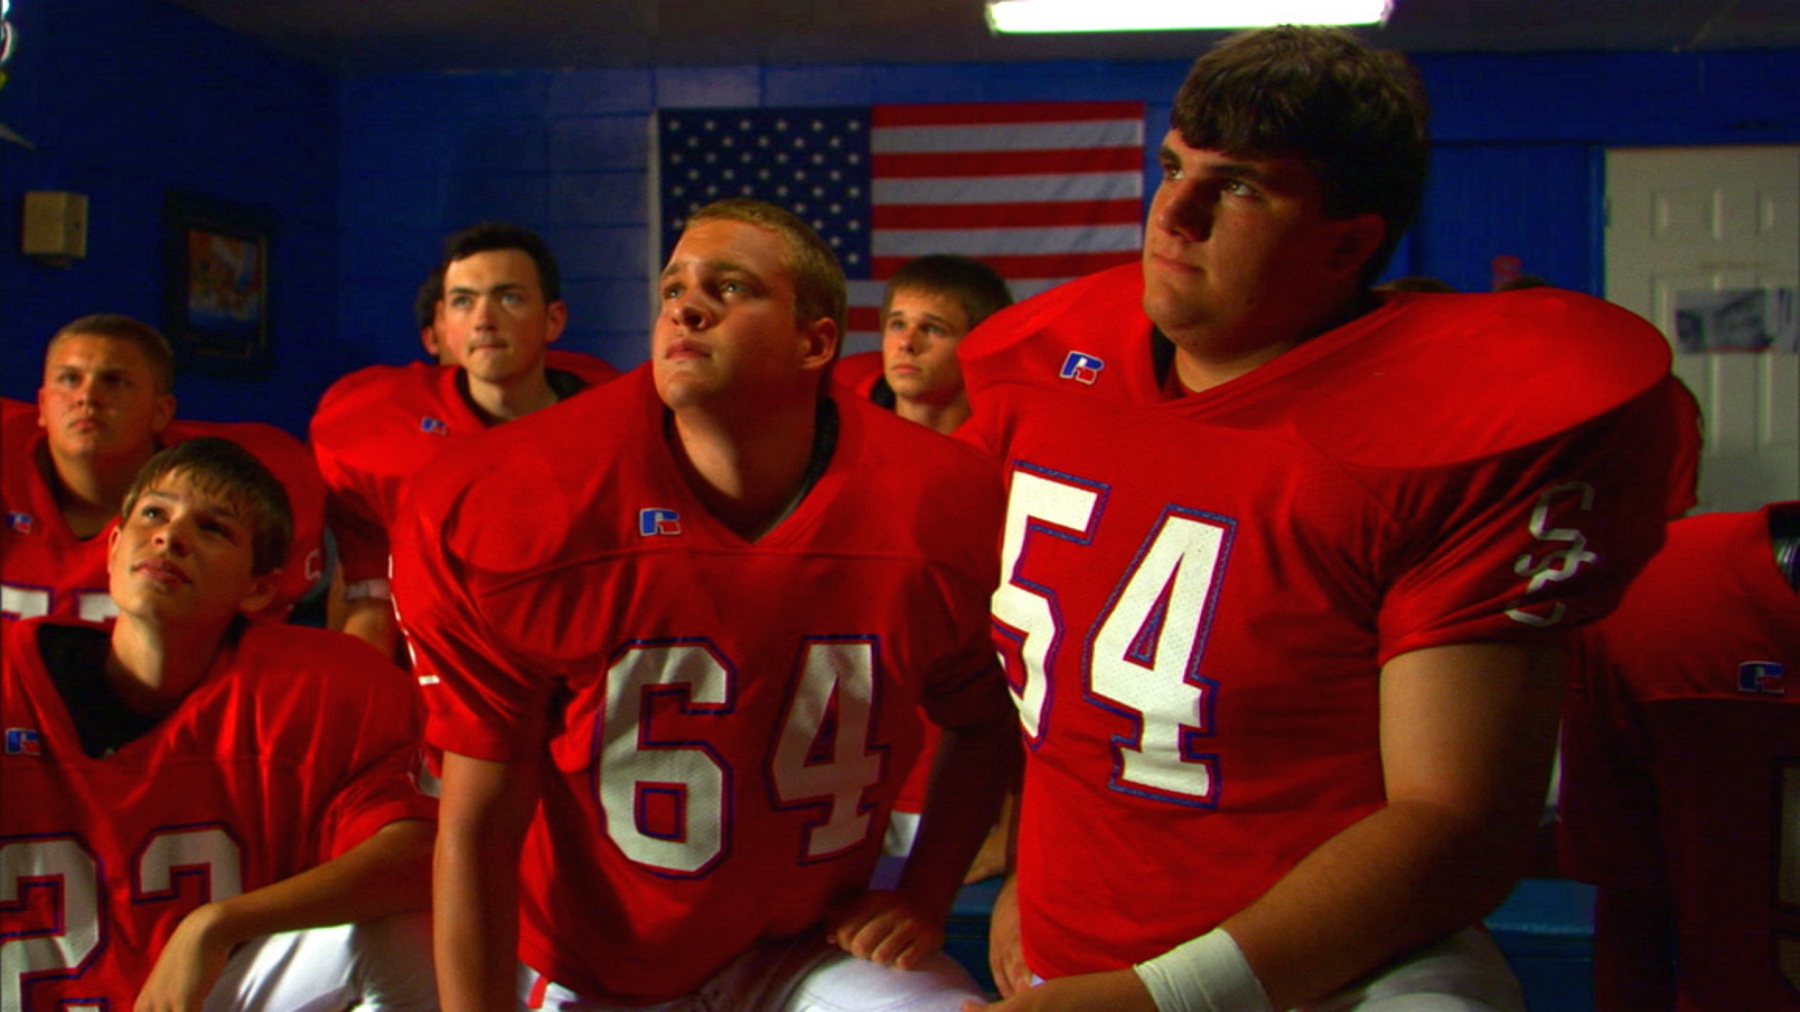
[106, 405]
[204, 812]
[674, 637]
[1289, 565]
[927, 307]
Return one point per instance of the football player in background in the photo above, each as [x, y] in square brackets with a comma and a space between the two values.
[499, 310]
[1681, 772]
[106, 405]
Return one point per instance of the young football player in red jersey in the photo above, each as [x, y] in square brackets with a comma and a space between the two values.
[927, 307]
[186, 790]
[673, 637]
[1681, 772]
[1288, 564]
[107, 404]
[499, 309]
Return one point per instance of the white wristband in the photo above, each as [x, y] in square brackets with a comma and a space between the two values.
[1208, 974]
[376, 589]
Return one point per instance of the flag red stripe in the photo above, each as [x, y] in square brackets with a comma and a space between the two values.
[1049, 265]
[968, 113]
[1008, 163]
[1035, 215]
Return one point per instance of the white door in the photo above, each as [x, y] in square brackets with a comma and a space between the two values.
[1704, 242]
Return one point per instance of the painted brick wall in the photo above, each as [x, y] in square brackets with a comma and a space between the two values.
[126, 100]
[1519, 138]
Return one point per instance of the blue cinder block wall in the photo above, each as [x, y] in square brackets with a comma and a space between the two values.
[363, 175]
[126, 101]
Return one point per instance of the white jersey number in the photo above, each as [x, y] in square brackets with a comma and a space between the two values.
[835, 678]
[667, 802]
[22, 602]
[1146, 655]
[1024, 611]
[64, 865]
[1144, 650]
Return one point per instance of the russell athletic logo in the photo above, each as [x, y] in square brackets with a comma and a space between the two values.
[1082, 367]
[24, 741]
[1762, 678]
[654, 522]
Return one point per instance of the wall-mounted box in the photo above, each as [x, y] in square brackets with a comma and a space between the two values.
[55, 225]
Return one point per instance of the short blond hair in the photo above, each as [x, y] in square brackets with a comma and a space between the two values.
[119, 327]
[819, 287]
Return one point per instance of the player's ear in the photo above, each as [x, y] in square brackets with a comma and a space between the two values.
[819, 343]
[164, 414]
[1357, 240]
[263, 587]
[557, 316]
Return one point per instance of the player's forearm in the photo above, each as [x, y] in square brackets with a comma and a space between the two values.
[475, 933]
[1468, 733]
[486, 809]
[973, 769]
[389, 873]
[1401, 877]
[371, 619]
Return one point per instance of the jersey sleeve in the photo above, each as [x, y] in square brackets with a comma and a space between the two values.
[1534, 541]
[481, 699]
[357, 524]
[1684, 481]
[967, 686]
[384, 785]
[362, 539]
[857, 373]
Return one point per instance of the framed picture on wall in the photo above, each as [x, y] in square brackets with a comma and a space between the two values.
[216, 259]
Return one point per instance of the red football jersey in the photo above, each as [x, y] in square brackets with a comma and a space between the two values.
[1198, 593]
[1681, 759]
[375, 428]
[858, 372]
[297, 746]
[46, 570]
[732, 718]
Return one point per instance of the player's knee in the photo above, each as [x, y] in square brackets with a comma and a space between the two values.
[394, 968]
[848, 984]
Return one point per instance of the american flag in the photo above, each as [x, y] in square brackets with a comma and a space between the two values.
[1041, 191]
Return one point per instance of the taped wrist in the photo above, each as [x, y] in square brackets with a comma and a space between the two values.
[1208, 974]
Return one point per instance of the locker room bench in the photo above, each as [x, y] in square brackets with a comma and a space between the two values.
[1546, 929]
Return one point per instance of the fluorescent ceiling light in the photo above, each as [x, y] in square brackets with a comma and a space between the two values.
[1177, 15]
